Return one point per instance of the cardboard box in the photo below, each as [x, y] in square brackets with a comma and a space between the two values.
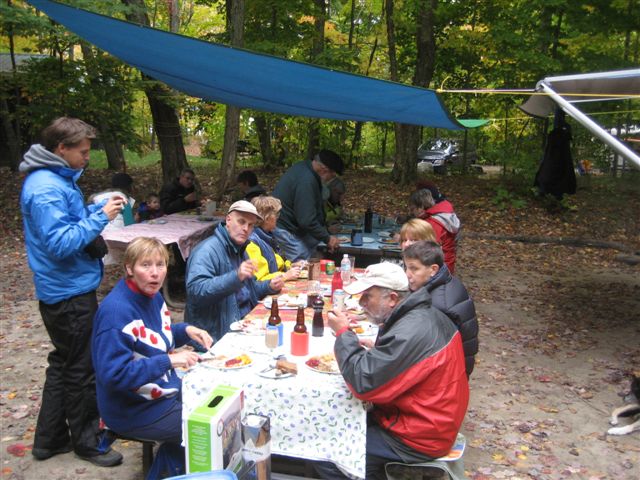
[256, 436]
[213, 432]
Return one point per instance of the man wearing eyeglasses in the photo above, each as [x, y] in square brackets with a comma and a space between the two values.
[180, 194]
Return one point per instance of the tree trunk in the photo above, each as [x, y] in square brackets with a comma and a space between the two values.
[235, 27]
[112, 146]
[408, 136]
[13, 141]
[12, 129]
[263, 128]
[313, 140]
[166, 123]
[357, 134]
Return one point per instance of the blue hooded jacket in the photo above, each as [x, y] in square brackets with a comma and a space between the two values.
[57, 228]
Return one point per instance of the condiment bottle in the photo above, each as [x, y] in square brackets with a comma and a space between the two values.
[368, 220]
[275, 321]
[317, 326]
[300, 336]
[336, 281]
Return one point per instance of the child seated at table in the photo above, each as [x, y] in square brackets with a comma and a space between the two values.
[150, 208]
[263, 249]
[425, 267]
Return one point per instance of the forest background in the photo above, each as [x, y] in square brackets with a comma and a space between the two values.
[558, 310]
[447, 45]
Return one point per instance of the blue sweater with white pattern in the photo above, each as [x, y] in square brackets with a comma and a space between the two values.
[132, 336]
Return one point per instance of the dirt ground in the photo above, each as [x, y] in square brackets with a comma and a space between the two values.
[559, 333]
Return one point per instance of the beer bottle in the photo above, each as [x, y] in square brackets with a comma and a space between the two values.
[300, 327]
[317, 326]
[274, 319]
[300, 336]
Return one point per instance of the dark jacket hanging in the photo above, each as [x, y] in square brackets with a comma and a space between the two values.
[556, 174]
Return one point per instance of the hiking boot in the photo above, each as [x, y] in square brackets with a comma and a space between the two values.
[107, 459]
[44, 453]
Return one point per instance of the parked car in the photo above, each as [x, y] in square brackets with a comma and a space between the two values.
[439, 154]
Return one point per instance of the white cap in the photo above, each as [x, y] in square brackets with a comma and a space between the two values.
[385, 275]
[244, 206]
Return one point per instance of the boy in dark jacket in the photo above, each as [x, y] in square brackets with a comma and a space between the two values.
[424, 265]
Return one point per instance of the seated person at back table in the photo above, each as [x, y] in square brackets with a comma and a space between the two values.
[221, 286]
[179, 194]
[133, 354]
[263, 248]
[442, 218]
[425, 267]
[247, 182]
[413, 375]
[122, 184]
[414, 231]
[150, 209]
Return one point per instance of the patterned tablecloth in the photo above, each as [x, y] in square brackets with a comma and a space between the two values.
[184, 230]
[313, 415]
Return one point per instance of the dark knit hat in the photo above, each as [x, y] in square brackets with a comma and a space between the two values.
[331, 160]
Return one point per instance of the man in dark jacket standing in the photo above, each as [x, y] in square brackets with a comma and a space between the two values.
[413, 375]
[424, 264]
[301, 226]
[179, 194]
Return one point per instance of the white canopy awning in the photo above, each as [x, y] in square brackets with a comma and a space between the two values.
[567, 91]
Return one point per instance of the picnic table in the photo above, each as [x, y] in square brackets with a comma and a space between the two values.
[184, 231]
[376, 245]
[313, 415]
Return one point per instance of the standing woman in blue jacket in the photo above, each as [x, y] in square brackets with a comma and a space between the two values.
[64, 249]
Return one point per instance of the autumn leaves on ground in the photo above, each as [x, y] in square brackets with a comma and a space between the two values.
[560, 326]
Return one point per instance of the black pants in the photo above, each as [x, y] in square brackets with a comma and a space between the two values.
[69, 411]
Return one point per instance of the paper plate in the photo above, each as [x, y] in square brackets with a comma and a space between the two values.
[368, 240]
[323, 359]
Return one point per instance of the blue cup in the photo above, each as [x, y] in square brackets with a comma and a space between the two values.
[356, 237]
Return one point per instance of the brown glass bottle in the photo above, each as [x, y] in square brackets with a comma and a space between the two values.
[317, 326]
[300, 327]
[274, 318]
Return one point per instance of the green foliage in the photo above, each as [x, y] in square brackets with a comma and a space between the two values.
[58, 87]
[504, 199]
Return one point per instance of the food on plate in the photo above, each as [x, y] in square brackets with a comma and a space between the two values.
[304, 274]
[389, 241]
[343, 239]
[324, 363]
[356, 328]
[287, 301]
[286, 367]
[224, 362]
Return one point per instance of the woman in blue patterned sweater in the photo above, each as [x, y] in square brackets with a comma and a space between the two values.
[133, 349]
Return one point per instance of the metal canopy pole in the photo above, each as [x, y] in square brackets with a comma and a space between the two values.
[592, 126]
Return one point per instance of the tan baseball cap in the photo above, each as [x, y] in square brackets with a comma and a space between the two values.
[244, 206]
[385, 275]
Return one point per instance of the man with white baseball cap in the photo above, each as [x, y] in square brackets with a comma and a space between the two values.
[414, 373]
[221, 286]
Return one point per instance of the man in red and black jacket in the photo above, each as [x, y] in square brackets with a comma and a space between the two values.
[414, 373]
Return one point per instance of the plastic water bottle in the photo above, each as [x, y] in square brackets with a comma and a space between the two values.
[345, 270]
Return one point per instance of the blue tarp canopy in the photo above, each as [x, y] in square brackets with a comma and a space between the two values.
[249, 80]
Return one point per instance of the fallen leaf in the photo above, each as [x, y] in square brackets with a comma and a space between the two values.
[17, 449]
